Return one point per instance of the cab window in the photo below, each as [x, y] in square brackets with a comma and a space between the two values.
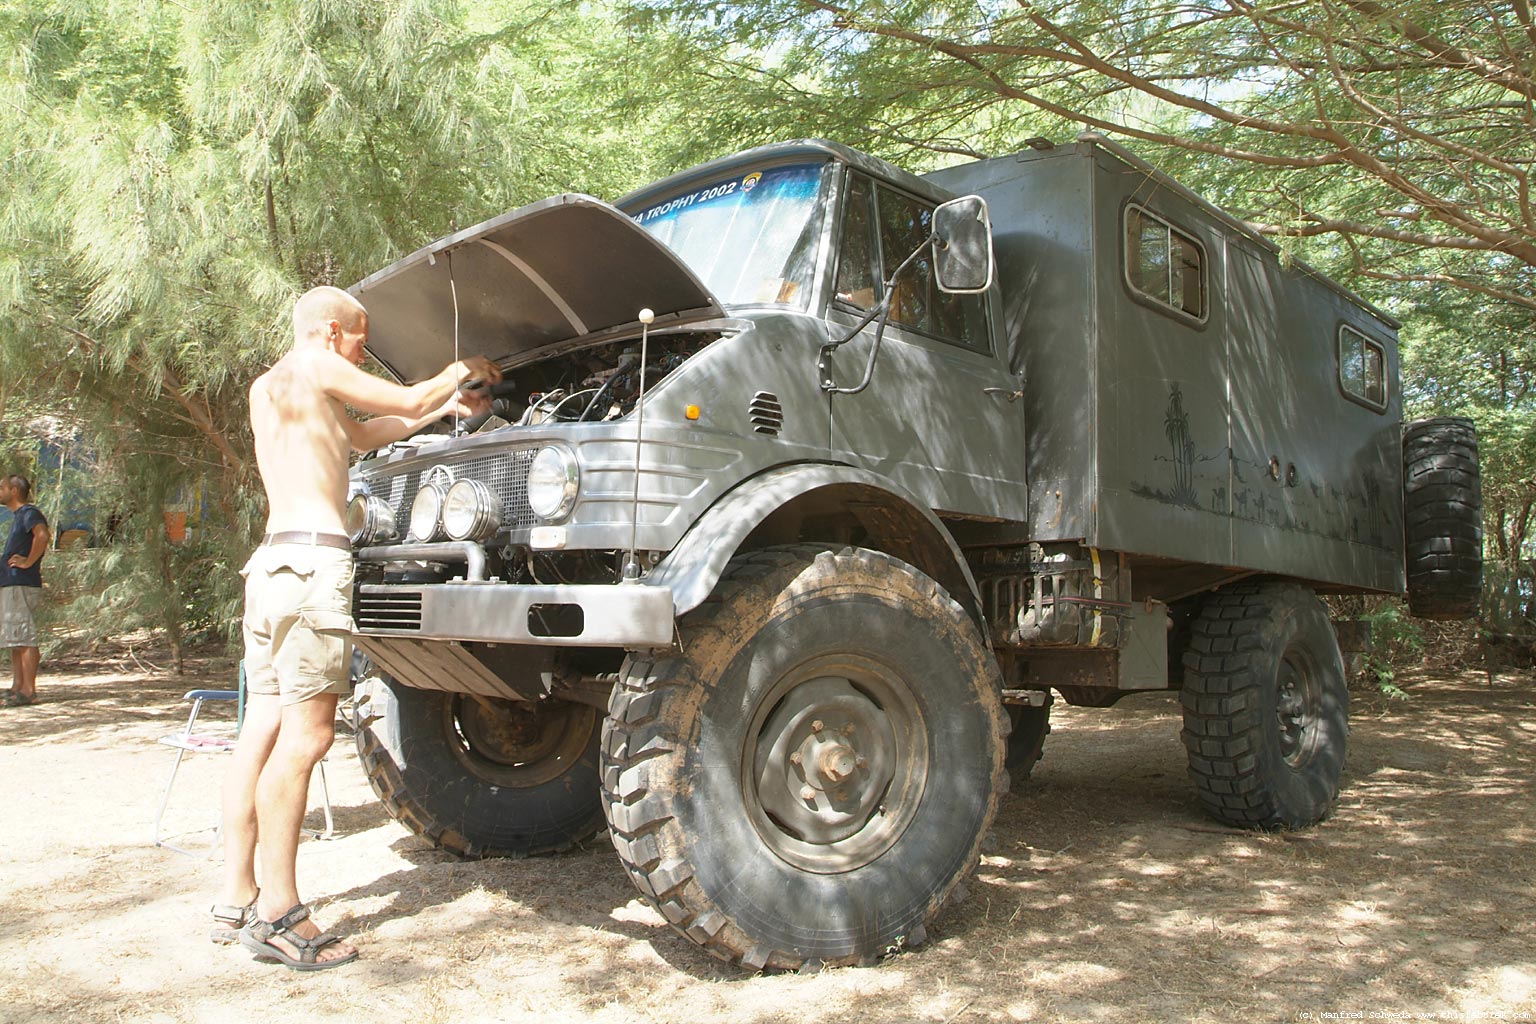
[901, 224]
[858, 282]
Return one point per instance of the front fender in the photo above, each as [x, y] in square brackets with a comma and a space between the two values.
[914, 533]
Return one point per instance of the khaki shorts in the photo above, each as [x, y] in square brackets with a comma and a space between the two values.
[18, 616]
[298, 621]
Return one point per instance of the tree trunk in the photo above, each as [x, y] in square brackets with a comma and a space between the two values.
[172, 603]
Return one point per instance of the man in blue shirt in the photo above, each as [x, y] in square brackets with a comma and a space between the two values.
[21, 587]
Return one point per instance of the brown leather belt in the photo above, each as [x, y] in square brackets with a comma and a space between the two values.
[311, 537]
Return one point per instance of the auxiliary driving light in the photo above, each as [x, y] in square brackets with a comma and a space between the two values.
[553, 479]
[470, 511]
[370, 520]
[427, 511]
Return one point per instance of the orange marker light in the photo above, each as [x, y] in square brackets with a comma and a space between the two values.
[692, 412]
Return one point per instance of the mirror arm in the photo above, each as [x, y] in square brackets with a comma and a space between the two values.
[882, 311]
[869, 367]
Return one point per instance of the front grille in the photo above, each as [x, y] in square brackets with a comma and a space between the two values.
[388, 608]
[504, 471]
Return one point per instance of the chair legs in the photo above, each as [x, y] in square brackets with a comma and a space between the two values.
[187, 742]
[165, 799]
[329, 832]
[325, 802]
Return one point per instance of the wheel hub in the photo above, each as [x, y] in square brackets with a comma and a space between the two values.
[515, 743]
[1297, 712]
[827, 781]
[837, 761]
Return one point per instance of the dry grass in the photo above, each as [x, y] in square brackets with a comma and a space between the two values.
[1104, 895]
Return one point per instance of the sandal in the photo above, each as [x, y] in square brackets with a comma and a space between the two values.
[19, 700]
[256, 935]
[230, 920]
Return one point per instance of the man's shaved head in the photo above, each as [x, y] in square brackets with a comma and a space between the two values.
[319, 306]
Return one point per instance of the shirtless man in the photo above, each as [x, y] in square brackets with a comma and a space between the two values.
[298, 606]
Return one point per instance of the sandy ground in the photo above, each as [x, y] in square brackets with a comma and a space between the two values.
[1104, 894]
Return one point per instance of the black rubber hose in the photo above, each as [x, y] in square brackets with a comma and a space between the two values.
[500, 406]
[626, 361]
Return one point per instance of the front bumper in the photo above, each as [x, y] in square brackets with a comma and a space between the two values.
[596, 615]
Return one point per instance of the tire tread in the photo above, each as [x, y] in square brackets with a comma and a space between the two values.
[1442, 518]
[637, 739]
[387, 783]
[1223, 708]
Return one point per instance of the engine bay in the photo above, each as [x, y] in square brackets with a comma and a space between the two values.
[591, 385]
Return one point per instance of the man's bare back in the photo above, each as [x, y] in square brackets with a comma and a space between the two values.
[302, 427]
[302, 446]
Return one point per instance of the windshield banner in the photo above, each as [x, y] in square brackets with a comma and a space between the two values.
[715, 190]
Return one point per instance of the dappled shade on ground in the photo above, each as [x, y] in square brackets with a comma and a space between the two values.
[1103, 893]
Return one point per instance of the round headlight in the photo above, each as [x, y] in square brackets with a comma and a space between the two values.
[427, 511]
[369, 520]
[552, 483]
[357, 516]
[470, 511]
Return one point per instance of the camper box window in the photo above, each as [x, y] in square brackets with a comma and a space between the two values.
[1164, 264]
[1362, 369]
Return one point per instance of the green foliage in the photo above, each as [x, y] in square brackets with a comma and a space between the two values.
[172, 176]
[1509, 602]
[1397, 638]
[1398, 131]
[99, 592]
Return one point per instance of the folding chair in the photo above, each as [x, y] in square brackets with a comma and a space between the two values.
[186, 741]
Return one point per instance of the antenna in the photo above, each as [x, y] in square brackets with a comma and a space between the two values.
[631, 572]
[454, 290]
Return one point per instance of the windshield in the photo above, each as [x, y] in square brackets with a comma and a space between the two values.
[751, 237]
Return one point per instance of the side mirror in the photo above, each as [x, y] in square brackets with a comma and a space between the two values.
[962, 246]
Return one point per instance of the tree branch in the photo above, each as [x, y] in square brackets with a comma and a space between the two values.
[1319, 225]
[1444, 51]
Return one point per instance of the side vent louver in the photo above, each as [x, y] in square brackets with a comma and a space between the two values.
[766, 414]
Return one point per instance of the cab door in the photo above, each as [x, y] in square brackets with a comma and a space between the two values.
[938, 416]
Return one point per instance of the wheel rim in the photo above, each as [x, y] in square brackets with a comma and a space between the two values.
[835, 763]
[1298, 708]
[515, 743]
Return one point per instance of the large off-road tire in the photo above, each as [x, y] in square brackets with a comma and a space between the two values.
[1442, 518]
[1266, 707]
[813, 773]
[1026, 744]
[482, 777]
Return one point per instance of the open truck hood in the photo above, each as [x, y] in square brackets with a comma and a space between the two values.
[550, 276]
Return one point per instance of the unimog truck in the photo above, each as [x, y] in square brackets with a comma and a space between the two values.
[813, 483]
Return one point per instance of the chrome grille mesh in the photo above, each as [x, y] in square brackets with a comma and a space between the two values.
[504, 471]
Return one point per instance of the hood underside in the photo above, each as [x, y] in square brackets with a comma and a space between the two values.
[551, 276]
